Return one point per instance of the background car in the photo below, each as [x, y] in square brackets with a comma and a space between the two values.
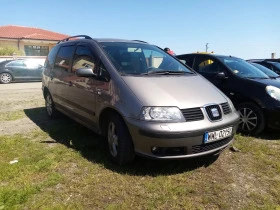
[266, 70]
[253, 93]
[20, 70]
[272, 64]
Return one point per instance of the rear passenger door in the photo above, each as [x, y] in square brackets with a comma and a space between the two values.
[18, 69]
[61, 76]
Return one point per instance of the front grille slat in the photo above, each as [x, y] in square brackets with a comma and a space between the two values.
[192, 114]
[226, 108]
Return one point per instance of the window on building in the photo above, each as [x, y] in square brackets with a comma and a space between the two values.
[34, 50]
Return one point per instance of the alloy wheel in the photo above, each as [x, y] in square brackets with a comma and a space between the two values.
[6, 78]
[248, 119]
[49, 105]
[113, 139]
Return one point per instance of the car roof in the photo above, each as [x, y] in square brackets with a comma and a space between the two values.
[86, 38]
[210, 55]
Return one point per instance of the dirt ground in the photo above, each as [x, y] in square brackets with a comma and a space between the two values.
[18, 97]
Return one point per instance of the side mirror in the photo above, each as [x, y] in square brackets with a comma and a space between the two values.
[85, 72]
[222, 75]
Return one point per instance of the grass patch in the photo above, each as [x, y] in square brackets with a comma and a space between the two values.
[12, 115]
[59, 168]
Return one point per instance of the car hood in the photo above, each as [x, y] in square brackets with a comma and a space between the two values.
[181, 91]
[273, 82]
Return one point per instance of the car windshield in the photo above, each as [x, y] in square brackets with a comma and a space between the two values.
[142, 59]
[242, 68]
[276, 64]
[265, 70]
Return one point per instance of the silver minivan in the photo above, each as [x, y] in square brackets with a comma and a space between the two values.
[140, 98]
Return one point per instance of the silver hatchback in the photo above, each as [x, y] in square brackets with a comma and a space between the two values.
[143, 100]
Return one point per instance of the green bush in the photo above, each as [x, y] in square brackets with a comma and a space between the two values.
[10, 51]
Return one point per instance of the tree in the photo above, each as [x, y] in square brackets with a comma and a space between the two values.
[10, 51]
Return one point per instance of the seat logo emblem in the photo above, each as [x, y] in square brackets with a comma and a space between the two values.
[215, 112]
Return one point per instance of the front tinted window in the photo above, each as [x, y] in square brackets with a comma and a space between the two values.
[136, 58]
[83, 58]
[242, 68]
[63, 58]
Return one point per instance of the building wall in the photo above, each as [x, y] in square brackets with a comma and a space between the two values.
[22, 43]
[10, 43]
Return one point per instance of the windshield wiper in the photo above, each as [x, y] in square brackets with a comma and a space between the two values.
[162, 72]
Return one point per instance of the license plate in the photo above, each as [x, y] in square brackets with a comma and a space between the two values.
[217, 135]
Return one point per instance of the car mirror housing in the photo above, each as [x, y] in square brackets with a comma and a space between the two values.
[222, 75]
[85, 72]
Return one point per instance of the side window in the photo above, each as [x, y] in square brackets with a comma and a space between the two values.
[51, 57]
[83, 58]
[207, 65]
[18, 63]
[63, 58]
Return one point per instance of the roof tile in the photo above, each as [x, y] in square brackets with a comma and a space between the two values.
[17, 32]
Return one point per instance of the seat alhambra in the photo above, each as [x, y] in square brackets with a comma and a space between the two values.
[140, 98]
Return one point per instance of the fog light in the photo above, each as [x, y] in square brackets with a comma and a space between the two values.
[154, 149]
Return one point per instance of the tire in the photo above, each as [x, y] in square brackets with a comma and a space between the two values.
[5, 78]
[50, 108]
[120, 146]
[252, 120]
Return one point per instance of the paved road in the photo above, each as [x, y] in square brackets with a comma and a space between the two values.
[21, 85]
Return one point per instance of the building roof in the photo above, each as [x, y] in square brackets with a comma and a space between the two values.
[22, 32]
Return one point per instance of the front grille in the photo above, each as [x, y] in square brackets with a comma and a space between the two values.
[192, 114]
[213, 112]
[210, 146]
[226, 108]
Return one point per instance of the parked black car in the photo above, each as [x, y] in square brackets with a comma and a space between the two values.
[20, 70]
[254, 94]
[266, 70]
[272, 64]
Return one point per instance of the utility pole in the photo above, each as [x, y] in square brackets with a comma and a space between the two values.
[207, 46]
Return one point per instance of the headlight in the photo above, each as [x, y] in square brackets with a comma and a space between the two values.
[274, 92]
[162, 114]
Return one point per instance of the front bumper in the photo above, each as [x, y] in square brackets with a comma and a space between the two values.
[273, 117]
[179, 140]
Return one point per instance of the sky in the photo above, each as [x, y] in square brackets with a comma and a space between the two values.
[241, 28]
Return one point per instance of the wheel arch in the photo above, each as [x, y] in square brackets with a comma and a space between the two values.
[104, 118]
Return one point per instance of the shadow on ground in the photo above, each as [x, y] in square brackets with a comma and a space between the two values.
[92, 147]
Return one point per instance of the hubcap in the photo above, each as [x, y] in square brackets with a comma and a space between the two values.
[113, 139]
[49, 105]
[248, 119]
[6, 78]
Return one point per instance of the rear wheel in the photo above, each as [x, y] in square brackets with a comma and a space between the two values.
[121, 149]
[252, 120]
[51, 111]
[5, 78]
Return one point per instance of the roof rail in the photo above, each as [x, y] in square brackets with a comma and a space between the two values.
[70, 37]
[139, 41]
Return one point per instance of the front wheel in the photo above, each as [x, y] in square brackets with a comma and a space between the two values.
[252, 120]
[120, 145]
[5, 78]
